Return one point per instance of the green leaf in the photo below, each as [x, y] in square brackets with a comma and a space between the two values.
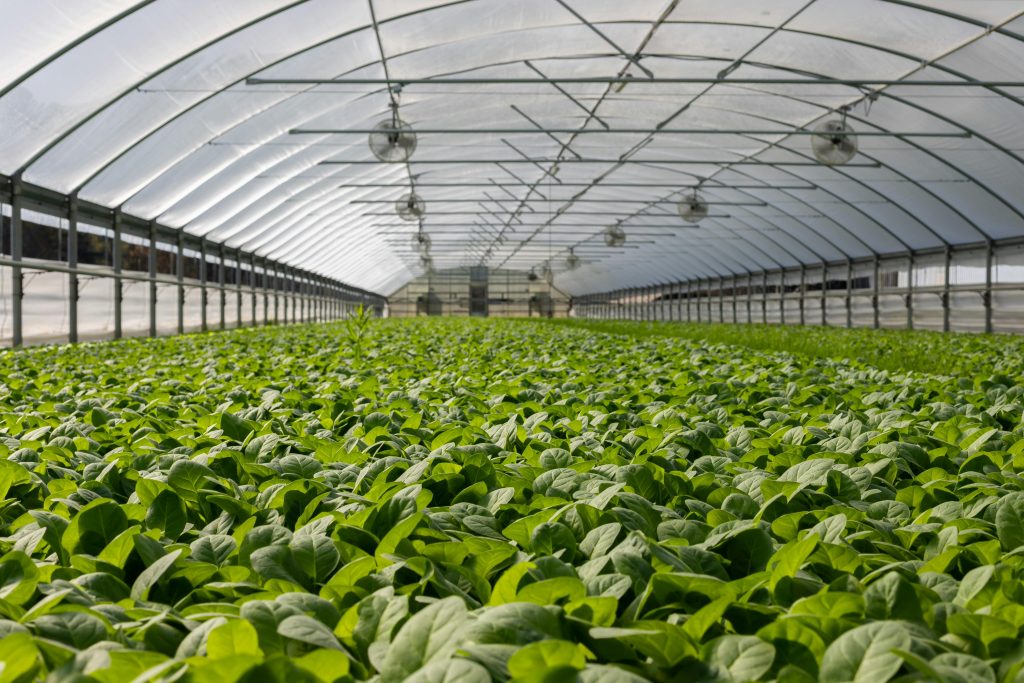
[152, 575]
[1010, 521]
[450, 671]
[865, 654]
[432, 633]
[537, 658]
[167, 513]
[315, 555]
[19, 656]
[308, 630]
[739, 658]
[18, 577]
[235, 427]
[187, 477]
[235, 637]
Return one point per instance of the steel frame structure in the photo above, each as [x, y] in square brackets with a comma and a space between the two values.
[313, 296]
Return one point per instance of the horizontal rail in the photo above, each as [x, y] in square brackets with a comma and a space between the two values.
[616, 80]
[619, 131]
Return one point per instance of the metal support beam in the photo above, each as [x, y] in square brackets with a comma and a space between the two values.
[849, 293]
[824, 294]
[721, 299]
[179, 263]
[876, 313]
[252, 287]
[223, 293]
[73, 266]
[204, 294]
[275, 282]
[658, 80]
[689, 290]
[238, 287]
[782, 297]
[152, 283]
[266, 292]
[735, 300]
[764, 297]
[802, 132]
[118, 283]
[17, 278]
[910, 291]
[945, 289]
[750, 298]
[803, 293]
[987, 296]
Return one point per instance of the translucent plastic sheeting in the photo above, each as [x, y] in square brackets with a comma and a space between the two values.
[145, 106]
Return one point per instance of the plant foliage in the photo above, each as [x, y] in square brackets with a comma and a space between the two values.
[497, 501]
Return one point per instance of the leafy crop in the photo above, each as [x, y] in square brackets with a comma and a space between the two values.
[961, 354]
[492, 500]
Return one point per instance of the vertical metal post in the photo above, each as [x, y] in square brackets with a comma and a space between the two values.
[987, 301]
[824, 294]
[803, 291]
[721, 299]
[238, 287]
[118, 285]
[73, 268]
[945, 289]
[223, 292]
[782, 296]
[689, 290]
[292, 287]
[849, 293]
[876, 317]
[750, 297]
[17, 281]
[203, 294]
[275, 281]
[252, 287]
[910, 291]
[266, 293]
[285, 284]
[735, 299]
[180, 274]
[152, 279]
[700, 301]
[764, 297]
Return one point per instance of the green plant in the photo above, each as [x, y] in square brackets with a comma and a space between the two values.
[357, 326]
[503, 501]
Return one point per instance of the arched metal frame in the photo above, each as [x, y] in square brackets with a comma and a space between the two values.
[325, 232]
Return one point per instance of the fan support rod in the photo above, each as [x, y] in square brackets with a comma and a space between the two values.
[652, 162]
[613, 80]
[628, 131]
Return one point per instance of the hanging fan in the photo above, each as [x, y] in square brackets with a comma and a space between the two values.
[834, 142]
[532, 275]
[411, 207]
[421, 242]
[614, 236]
[693, 209]
[393, 139]
[572, 261]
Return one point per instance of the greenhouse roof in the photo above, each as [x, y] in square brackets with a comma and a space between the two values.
[539, 123]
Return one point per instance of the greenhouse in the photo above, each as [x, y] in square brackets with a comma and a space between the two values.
[514, 341]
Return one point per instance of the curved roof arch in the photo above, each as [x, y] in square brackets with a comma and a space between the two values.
[246, 122]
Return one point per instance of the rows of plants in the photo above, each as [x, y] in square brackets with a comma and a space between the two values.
[467, 501]
[960, 354]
